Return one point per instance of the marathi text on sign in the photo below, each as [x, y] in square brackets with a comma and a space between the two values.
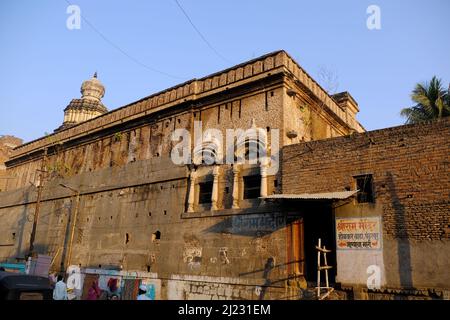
[358, 233]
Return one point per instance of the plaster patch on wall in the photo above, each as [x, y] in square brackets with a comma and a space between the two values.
[193, 257]
[176, 290]
[193, 287]
[259, 244]
[132, 147]
[223, 254]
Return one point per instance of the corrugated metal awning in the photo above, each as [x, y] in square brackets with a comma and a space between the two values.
[337, 195]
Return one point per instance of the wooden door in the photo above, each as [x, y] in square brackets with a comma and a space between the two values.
[296, 254]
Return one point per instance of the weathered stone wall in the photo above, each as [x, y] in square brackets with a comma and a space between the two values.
[119, 213]
[271, 109]
[130, 192]
[410, 166]
[219, 288]
[278, 62]
[7, 144]
[113, 150]
[229, 99]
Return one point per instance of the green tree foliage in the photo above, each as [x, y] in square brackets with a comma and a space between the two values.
[431, 100]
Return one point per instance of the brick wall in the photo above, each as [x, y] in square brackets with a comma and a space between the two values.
[410, 168]
[7, 143]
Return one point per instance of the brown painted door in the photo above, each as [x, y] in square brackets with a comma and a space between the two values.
[296, 248]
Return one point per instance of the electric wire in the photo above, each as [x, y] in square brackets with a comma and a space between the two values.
[199, 33]
[126, 54]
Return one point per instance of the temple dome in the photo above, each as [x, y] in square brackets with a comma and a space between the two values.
[86, 108]
[92, 89]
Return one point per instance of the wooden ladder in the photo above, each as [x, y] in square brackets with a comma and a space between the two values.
[322, 250]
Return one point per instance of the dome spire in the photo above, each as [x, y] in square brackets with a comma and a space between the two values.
[89, 106]
[92, 89]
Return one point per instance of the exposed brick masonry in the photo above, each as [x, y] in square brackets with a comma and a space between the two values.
[410, 167]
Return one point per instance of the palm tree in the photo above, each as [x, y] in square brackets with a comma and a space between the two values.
[432, 101]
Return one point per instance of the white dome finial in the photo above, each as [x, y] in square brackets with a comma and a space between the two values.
[92, 89]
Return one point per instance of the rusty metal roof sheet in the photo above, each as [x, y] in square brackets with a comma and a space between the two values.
[337, 195]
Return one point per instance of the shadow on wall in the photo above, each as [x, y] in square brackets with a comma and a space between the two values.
[268, 267]
[45, 231]
[266, 271]
[68, 221]
[250, 225]
[401, 234]
[270, 264]
[21, 225]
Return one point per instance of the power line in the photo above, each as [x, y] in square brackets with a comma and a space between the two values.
[111, 43]
[199, 33]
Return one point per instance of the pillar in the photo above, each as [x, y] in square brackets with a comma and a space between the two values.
[215, 189]
[263, 170]
[235, 187]
[191, 198]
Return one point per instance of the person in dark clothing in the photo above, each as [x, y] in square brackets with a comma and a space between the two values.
[94, 291]
[113, 288]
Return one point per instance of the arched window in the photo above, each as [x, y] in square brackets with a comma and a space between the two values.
[251, 146]
[208, 153]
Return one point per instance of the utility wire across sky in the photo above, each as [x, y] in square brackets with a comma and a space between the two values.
[200, 34]
[111, 43]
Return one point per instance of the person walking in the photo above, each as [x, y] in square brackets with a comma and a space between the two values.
[113, 288]
[60, 291]
[142, 293]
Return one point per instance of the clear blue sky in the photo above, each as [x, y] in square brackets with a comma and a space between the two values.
[43, 63]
